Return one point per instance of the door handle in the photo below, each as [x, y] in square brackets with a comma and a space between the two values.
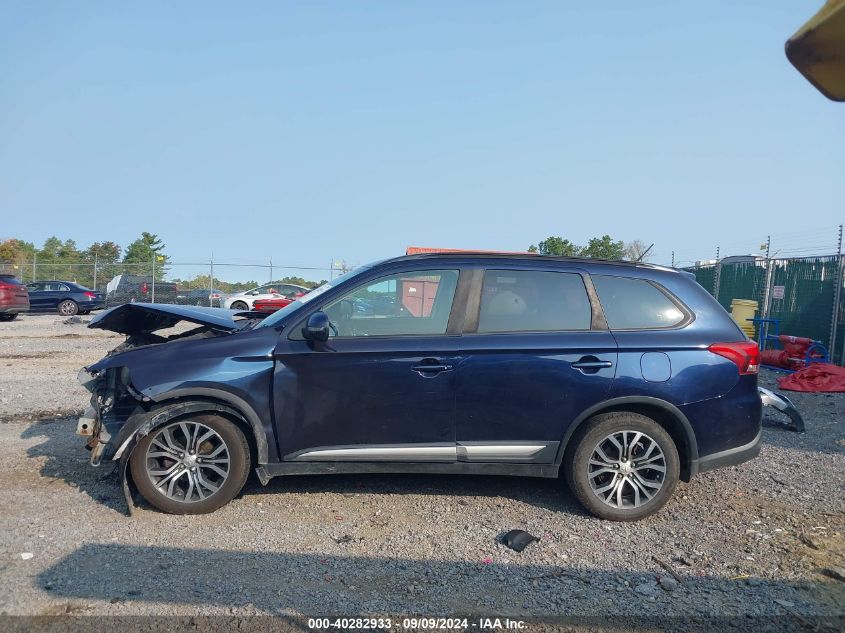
[431, 369]
[591, 364]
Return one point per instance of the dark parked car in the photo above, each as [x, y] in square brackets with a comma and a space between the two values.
[13, 297]
[621, 378]
[197, 297]
[65, 297]
[125, 288]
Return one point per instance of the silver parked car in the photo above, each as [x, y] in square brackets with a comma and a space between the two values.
[244, 300]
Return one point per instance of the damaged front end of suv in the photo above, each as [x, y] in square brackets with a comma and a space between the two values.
[152, 378]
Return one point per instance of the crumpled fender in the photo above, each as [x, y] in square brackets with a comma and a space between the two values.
[139, 425]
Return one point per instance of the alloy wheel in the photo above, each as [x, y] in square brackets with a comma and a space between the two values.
[626, 469]
[187, 461]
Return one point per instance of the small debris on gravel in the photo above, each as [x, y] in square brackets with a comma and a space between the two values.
[837, 573]
[517, 540]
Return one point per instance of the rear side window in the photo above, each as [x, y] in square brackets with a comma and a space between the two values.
[533, 301]
[635, 304]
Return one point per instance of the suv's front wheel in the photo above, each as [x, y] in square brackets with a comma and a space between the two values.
[622, 466]
[193, 465]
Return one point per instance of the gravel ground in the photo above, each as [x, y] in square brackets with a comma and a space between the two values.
[744, 541]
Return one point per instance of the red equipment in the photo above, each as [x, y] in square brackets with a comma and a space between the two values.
[798, 352]
[271, 305]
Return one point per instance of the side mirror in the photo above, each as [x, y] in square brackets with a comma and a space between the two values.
[317, 327]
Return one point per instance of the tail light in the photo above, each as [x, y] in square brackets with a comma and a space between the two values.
[90, 295]
[745, 355]
[7, 286]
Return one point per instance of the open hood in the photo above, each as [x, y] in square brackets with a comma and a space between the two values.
[144, 318]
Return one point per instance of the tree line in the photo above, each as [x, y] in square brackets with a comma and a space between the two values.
[98, 263]
[604, 247]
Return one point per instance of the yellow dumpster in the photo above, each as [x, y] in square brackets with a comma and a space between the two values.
[741, 311]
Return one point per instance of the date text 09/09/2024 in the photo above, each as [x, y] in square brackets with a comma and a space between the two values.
[416, 623]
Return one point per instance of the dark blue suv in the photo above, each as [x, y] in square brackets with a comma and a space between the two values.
[621, 377]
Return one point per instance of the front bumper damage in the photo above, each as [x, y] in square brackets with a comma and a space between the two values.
[780, 402]
[106, 420]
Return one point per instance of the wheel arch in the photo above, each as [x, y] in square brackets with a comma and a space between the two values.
[664, 413]
[181, 402]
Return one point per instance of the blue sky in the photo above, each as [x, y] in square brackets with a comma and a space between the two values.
[310, 131]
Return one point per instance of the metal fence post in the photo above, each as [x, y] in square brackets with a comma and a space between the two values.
[837, 293]
[154, 279]
[767, 291]
[34, 260]
[717, 276]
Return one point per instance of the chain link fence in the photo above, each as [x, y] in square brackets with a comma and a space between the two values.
[804, 293]
[201, 284]
[800, 291]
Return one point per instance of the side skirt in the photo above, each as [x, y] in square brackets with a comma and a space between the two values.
[266, 471]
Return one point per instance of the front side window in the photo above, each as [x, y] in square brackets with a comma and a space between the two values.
[533, 301]
[402, 304]
[635, 304]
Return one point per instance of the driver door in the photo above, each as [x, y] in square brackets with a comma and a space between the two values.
[382, 388]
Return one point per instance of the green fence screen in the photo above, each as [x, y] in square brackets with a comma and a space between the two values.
[802, 293]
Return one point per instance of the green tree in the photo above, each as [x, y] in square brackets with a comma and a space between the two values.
[142, 251]
[637, 250]
[106, 256]
[555, 245]
[604, 247]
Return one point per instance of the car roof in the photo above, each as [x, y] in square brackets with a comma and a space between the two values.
[484, 256]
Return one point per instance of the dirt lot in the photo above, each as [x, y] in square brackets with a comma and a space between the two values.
[745, 541]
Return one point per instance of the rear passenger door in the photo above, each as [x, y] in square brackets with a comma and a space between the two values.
[537, 353]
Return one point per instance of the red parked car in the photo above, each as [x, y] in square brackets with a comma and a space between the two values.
[14, 297]
[271, 305]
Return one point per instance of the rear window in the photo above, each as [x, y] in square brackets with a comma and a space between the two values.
[10, 279]
[636, 304]
[533, 301]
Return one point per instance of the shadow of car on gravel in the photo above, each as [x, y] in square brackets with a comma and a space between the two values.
[331, 584]
[67, 461]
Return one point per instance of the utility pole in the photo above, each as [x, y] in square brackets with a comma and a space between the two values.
[34, 259]
[211, 278]
[271, 270]
[96, 254]
[836, 296]
[154, 278]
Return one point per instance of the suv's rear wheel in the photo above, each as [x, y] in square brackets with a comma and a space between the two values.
[622, 466]
[9, 316]
[194, 465]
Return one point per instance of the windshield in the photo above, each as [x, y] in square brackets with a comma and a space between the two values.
[290, 308]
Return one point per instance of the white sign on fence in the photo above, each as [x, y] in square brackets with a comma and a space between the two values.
[777, 292]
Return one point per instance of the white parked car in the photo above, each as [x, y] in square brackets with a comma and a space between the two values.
[244, 300]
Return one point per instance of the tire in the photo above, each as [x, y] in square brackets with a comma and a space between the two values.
[9, 317]
[68, 307]
[239, 305]
[85, 312]
[151, 463]
[589, 479]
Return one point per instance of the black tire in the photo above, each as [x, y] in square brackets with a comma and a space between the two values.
[9, 317]
[588, 438]
[239, 305]
[239, 464]
[68, 308]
